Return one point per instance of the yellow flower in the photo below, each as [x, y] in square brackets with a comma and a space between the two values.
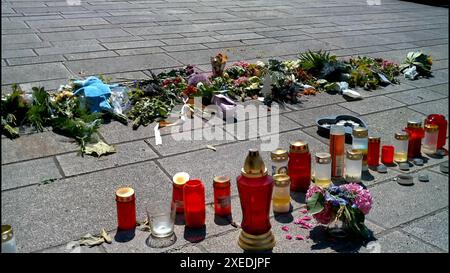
[430, 60]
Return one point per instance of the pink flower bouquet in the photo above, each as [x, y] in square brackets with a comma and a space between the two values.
[348, 203]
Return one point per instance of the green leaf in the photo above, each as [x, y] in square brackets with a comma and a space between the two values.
[314, 204]
[99, 149]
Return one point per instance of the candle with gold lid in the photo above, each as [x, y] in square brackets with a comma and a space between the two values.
[281, 199]
[299, 166]
[322, 174]
[8, 240]
[126, 208]
[255, 188]
[360, 142]
[222, 195]
[401, 147]
[353, 166]
[416, 133]
[279, 161]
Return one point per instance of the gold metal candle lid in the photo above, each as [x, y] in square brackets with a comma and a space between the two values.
[360, 132]
[414, 123]
[221, 181]
[431, 127]
[298, 146]
[254, 166]
[374, 139]
[354, 155]
[7, 233]
[281, 180]
[401, 136]
[323, 158]
[279, 155]
[124, 194]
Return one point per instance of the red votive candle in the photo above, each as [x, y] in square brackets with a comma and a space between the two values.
[126, 208]
[194, 203]
[179, 180]
[416, 133]
[222, 195]
[373, 153]
[387, 154]
[299, 166]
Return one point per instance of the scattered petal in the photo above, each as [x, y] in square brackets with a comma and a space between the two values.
[306, 218]
[304, 211]
[299, 237]
[289, 237]
[285, 228]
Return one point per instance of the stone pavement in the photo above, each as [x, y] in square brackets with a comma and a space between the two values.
[47, 42]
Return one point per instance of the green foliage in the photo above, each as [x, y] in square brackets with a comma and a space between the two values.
[323, 65]
[148, 109]
[40, 112]
[314, 204]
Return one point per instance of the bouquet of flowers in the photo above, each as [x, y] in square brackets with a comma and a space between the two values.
[348, 203]
[421, 61]
[218, 64]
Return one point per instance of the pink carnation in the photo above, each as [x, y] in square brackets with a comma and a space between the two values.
[241, 81]
[363, 199]
[312, 190]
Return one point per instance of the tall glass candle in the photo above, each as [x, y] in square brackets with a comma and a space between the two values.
[299, 166]
[337, 150]
[126, 208]
[373, 153]
[361, 142]
[401, 147]
[442, 123]
[431, 139]
[416, 133]
[222, 195]
[281, 198]
[194, 203]
[353, 166]
[322, 173]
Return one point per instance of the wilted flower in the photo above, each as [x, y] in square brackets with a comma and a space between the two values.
[194, 79]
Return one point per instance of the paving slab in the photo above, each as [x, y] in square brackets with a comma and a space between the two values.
[29, 172]
[370, 105]
[79, 205]
[397, 242]
[127, 153]
[432, 229]
[127, 63]
[433, 107]
[34, 146]
[34, 72]
[308, 117]
[395, 204]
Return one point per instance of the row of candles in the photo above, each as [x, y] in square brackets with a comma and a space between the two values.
[290, 171]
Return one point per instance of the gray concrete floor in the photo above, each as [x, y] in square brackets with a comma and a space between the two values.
[48, 42]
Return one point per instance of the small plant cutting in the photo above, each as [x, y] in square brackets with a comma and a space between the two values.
[348, 203]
